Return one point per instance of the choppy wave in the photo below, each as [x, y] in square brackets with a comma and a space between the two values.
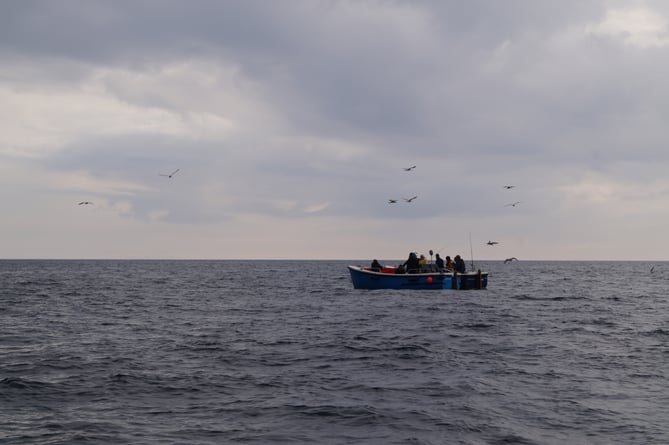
[210, 352]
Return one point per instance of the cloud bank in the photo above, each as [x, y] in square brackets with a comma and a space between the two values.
[291, 124]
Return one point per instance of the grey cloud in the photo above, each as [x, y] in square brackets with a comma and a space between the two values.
[329, 73]
[477, 93]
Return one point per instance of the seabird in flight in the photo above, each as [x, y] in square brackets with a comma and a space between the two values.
[513, 204]
[508, 260]
[85, 203]
[508, 186]
[171, 174]
[492, 243]
[392, 201]
[408, 169]
[410, 199]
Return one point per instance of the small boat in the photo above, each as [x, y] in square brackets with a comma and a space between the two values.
[429, 277]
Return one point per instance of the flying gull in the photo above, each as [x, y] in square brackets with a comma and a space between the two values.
[410, 199]
[408, 169]
[508, 186]
[392, 201]
[508, 260]
[513, 204]
[85, 203]
[171, 174]
[492, 243]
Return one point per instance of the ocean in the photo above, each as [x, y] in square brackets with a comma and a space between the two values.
[270, 352]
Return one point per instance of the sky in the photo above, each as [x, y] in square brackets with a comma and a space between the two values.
[291, 124]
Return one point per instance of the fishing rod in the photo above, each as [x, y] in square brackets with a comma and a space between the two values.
[471, 249]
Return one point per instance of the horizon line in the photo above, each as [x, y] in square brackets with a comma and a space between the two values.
[314, 259]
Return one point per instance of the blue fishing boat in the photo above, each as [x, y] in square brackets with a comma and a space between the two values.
[429, 277]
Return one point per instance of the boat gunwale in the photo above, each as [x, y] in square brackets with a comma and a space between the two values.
[420, 274]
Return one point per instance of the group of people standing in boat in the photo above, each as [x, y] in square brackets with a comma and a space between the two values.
[457, 264]
[414, 264]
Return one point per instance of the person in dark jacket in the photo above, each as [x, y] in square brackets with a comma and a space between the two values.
[376, 266]
[439, 261]
[459, 264]
[412, 264]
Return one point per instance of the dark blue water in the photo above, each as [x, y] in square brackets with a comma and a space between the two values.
[200, 352]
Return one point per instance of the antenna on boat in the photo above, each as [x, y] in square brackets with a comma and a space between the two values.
[471, 250]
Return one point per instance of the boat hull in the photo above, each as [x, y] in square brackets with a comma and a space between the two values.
[363, 278]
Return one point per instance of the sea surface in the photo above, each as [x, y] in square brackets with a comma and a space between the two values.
[271, 352]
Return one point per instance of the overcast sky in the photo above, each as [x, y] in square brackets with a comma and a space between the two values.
[292, 122]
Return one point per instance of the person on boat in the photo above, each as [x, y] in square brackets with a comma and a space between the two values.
[449, 263]
[439, 261]
[412, 264]
[376, 266]
[422, 261]
[459, 264]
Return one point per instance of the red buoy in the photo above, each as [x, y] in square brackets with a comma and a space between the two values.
[429, 280]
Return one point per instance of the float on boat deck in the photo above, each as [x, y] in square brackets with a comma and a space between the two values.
[428, 277]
